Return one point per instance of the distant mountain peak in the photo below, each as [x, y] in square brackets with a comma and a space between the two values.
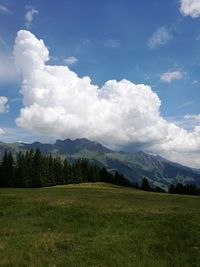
[73, 146]
[160, 171]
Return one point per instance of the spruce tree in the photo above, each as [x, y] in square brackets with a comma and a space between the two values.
[145, 185]
[58, 170]
[7, 170]
[38, 178]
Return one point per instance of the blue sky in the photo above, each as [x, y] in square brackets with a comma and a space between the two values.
[156, 43]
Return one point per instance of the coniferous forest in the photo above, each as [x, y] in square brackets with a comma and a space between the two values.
[187, 189]
[32, 169]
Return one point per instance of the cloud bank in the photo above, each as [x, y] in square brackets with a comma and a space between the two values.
[190, 8]
[60, 104]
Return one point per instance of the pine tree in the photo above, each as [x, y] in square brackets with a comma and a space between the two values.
[66, 171]
[58, 170]
[7, 170]
[51, 179]
[38, 177]
[145, 185]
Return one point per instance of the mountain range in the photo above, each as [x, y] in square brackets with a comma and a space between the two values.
[159, 171]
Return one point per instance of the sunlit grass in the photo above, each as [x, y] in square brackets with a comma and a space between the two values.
[98, 225]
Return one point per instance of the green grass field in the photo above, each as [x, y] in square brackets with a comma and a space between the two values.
[98, 225]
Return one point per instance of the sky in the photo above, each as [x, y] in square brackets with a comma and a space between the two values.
[123, 73]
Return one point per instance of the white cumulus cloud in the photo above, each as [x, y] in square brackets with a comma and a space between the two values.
[29, 16]
[70, 60]
[160, 37]
[60, 104]
[3, 104]
[190, 8]
[171, 76]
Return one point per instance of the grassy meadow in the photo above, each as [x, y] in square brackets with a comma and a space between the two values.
[98, 225]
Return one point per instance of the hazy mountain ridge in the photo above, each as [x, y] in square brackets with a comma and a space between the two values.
[160, 171]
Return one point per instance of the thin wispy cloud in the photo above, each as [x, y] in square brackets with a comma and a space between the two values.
[2, 42]
[160, 37]
[85, 44]
[186, 104]
[170, 76]
[111, 43]
[195, 82]
[198, 37]
[4, 9]
[70, 60]
[29, 16]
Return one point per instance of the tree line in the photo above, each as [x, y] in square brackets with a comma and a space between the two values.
[34, 169]
[186, 189]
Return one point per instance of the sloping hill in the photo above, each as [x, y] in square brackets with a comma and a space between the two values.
[135, 166]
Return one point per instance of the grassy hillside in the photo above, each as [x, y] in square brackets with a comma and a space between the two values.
[98, 225]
